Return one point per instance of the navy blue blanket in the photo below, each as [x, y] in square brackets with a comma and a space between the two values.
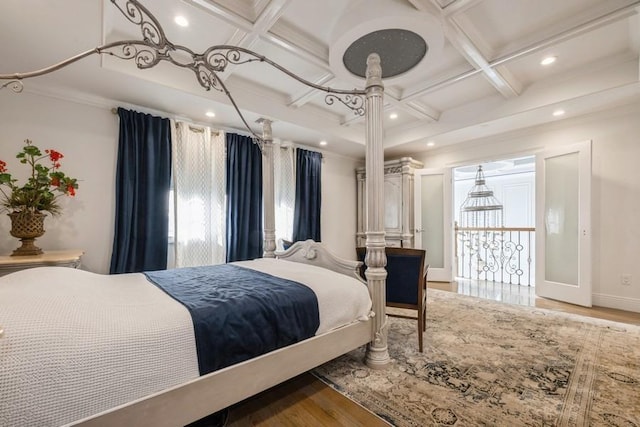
[239, 313]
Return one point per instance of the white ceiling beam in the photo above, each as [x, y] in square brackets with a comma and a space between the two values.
[263, 28]
[244, 35]
[298, 50]
[270, 15]
[414, 109]
[259, 4]
[421, 5]
[459, 6]
[294, 41]
[237, 37]
[267, 18]
[608, 18]
[426, 111]
[309, 93]
[578, 93]
[563, 33]
[220, 12]
[451, 9]
[439, 85]
[288, 38]
[508, 88]
[578, 30]
[248, 39]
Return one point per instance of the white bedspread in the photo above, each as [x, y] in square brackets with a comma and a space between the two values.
[77, 343]
[339, 300]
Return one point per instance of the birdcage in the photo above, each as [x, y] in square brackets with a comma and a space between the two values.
[481, 209]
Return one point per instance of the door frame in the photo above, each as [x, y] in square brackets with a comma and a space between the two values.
[580, 293]
[444, 273]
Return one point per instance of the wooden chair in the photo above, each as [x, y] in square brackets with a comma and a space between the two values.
[406, 283]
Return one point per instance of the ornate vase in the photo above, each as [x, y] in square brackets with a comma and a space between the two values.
[26, 226]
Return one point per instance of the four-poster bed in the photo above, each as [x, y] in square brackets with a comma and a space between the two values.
[194, 399]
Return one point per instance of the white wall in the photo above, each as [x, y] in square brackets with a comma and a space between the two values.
[88, 137]
[338, 226]
[615, 194]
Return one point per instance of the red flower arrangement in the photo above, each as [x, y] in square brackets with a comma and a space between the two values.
[43, 187]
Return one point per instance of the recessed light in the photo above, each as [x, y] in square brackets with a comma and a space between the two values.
[181, 21]
[393, 116]
[548, 60]
[430, 143]
[210, 114]
[558, 113]
[323, 142]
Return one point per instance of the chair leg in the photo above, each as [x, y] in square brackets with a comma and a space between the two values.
[424, 317]
[421, 328]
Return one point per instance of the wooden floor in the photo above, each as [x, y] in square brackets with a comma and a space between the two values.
[301, 401]
[526, 296]
[306, 401]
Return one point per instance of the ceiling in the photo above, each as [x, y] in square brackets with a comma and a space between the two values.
[481, 74]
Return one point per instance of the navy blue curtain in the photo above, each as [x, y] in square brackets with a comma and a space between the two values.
[143, 179]
[306, 218]
[244, 198]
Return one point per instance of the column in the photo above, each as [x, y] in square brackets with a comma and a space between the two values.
[377, 355]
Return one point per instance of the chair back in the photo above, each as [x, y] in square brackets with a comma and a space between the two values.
[405, 275]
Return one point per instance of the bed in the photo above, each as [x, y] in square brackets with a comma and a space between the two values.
[80, 343]
[190, 396]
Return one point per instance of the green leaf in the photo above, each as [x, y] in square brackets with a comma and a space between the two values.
[32, 150]
[5, 178]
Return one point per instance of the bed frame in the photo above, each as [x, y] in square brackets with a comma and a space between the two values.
[196, 399]
[209, 393]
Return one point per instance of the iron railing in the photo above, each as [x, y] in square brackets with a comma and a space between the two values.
[498, 254]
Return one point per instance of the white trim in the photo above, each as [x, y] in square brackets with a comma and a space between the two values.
[579, 293]
[617, 302]
[446, 272]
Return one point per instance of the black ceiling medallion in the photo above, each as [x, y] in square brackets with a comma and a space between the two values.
[399, 50]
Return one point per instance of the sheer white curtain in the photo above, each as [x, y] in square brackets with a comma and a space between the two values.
[199, 195]
[284, 188]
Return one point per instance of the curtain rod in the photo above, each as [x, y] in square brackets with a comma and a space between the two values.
[216, 132]
[193, 128]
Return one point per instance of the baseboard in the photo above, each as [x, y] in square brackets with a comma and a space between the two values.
[620, 303]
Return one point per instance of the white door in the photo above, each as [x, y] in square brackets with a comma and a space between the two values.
[563, 224]
[434, 230]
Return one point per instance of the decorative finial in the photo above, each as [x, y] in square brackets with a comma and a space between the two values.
[267, 133]
[374, 70]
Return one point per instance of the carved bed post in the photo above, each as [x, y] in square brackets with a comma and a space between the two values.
[377, 353]
[267, 190]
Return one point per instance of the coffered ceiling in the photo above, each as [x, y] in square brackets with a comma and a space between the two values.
[481, 74]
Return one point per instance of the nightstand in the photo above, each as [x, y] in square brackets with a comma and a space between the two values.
[67, 258]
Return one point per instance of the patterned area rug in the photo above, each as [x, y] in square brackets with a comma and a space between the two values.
[492, 364]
